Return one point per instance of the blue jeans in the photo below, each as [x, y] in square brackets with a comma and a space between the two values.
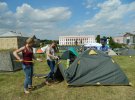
[28, 70]
[51, 64]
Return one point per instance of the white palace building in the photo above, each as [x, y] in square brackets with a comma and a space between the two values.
[79, 40]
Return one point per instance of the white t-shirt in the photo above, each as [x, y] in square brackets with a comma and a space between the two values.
[50, 50]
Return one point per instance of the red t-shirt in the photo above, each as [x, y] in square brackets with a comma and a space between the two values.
[27, 56]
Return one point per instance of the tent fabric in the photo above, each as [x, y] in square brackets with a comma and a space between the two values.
[89, 45]
[39, 51]
[71, 53]
[89, 69]
[44, 48]
[111, 53]
[125, 51]
[128, 52]
[92, 52]
[7, 62]
[67, 55]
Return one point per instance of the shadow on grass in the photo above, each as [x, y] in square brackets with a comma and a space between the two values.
[36, 87]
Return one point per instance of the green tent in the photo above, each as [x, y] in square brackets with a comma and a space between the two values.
[68, 54]
[93, 67]
[7, 62]
[73, 51]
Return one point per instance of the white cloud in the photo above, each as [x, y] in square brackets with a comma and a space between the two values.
[51, 14]
[113, 9]
[113, 17]
[3, 6]
[89, 4]
[28, 19]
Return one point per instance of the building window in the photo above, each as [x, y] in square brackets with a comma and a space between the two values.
[128, 41]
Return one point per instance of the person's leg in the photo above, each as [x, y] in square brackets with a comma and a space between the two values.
[26, 71]
[31, 75]
[52, 66]
[29, 78]
[48, 76]
[53, 69]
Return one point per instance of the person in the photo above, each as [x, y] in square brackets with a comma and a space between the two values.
[27, 64]
[50, 56]
[104, 48]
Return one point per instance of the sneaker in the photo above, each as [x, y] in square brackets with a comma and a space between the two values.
[26, 92]
[47, 83]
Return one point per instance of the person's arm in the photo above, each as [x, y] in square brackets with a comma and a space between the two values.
[33, 57]
[15, 53]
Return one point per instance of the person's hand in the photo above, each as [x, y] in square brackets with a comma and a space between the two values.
[20, 60]
[56, 57]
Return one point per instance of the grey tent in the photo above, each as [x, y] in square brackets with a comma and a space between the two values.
[119, 50]
[125, 51]
[111, 53]
[7, 62]
[93, 67]
[128, 52]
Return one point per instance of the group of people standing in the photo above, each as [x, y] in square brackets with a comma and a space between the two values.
[27, 62]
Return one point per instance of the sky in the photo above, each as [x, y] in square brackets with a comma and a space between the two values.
[49, 19]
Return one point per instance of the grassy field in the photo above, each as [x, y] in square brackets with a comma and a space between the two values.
[11, 86]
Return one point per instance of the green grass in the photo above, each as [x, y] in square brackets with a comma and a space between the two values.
[11, 86]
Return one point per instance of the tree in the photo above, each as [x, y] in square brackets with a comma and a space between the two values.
[46, 41]
[113, 44]
[98, 38]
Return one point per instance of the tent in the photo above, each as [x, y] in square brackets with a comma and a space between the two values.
[111, 53]
[125, 51]
[90, 45]
[39, 51]
[93, 67]
[7, 62]
[44, 48]
[68, 54]
[128, 52]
